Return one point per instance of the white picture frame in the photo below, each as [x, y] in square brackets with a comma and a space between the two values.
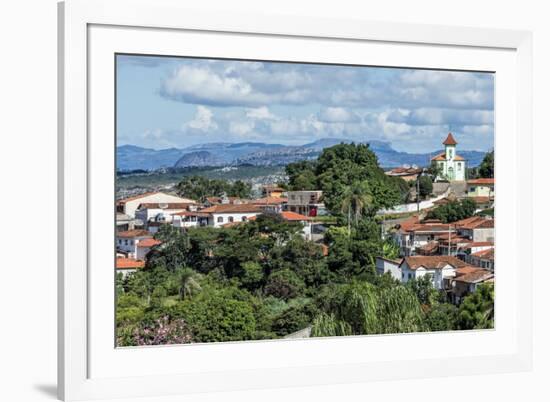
[90, 31]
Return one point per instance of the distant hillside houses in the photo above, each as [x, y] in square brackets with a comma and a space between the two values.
[140, 217]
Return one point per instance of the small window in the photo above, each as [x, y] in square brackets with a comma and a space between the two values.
[460, 166]
[220, 219]
[230, 219]
[244, 218]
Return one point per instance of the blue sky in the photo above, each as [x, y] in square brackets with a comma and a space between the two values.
[165, 102]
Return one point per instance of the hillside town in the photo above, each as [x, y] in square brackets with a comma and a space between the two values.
[455, 255]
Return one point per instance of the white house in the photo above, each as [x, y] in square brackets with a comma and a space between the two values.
[219, 215]
[162, 211]
[126, 266]
[467, 280]
[127, 241]
[481, 188]
[477, 228]
[144, 246]
[304, 220]
[418, 235]
[384, 265]
[129, 205]
[188, 219]
[441, 268]
[483, 259]
[453, 166]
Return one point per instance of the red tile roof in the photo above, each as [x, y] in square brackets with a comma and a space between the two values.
[293, 216]
[432, 228]
[475, 276]
[482, 181]
[269, 201]
[408, 223]
[433, 261]
[488, 254]
[475, 222]
[149, 242]
[128, 263]
[133, 233]
[441, 157]
[450, 140]
[229, 208]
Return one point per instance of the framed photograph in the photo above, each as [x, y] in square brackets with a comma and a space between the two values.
[255, 201]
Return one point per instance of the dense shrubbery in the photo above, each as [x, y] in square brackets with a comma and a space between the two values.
[454, 211]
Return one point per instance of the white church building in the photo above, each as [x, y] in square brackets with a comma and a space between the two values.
[452, 166]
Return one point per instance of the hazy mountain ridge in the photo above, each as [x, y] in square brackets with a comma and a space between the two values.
[131, 157]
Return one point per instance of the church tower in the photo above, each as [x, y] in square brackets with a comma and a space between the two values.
[450, 147]
[452, 166]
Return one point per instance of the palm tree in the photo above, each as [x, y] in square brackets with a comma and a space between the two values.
[356, 199]
[188, 282]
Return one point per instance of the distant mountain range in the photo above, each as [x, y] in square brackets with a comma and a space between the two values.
[131, 157]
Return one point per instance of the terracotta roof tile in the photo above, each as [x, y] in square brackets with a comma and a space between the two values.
[450, 140]
[488, 254]
[433, 261]
[133, 233]
[229, 208]
[475, 222]
[149, 242]
[293, 216]
[128, 263]
[482, 181]
[475, 276]
[269, 201]
[441, 157]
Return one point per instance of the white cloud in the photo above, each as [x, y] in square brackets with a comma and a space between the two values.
[337, 115]
[241, 128]
[436, 116]
[260, 113]
[203, 120]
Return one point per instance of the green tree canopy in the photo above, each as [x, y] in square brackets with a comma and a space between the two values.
[425, 185]
[487, 167]
[477, 309]
[199, 187]
[454, 211]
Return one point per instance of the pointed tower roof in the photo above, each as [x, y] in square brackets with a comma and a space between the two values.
[450, 140]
